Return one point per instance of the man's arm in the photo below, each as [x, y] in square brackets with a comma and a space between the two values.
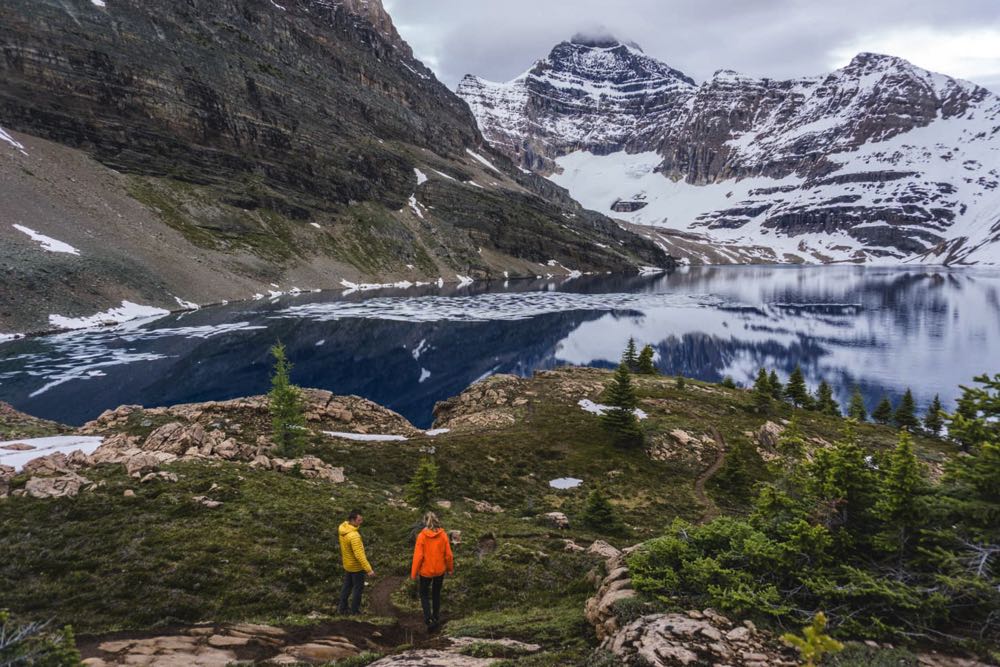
[358, 547]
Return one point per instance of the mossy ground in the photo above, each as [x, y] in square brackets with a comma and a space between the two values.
[105, 562]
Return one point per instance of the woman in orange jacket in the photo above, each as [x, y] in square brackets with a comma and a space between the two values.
[432, 559]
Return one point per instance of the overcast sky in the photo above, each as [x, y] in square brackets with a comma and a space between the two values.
[775, 38]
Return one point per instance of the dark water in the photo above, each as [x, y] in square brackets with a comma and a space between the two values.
[882, 329]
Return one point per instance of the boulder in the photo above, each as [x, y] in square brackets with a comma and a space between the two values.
[140, 464]
[47, 466]
[556, 520]
[484, 507]
[159, 477]
[18, 447]
[322, 651]
[175, 438]
[65, 486]
[432, 658]
[602, 549]
[769, 435]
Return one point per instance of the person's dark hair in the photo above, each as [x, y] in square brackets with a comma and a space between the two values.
[353, 515]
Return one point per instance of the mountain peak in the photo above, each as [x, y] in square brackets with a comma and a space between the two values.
[600, 39]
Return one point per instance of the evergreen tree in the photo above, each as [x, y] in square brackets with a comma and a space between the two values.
[792, 440]
[423, 487]
[857, 410]
[977, 418]
[777, 389]
[934, 419]
[796, 391]
[645, 365]
[882, 414]
[906, 414]
[288, 422]
[762, 392]
[620, 419]
[897, 506]
[825, 402]
[814, 643]
[680, 382]
[728, 382]
[631, 358]
[599, 514]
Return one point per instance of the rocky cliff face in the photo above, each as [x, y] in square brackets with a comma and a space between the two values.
[283, 141]
[878, 161]
[596, 95]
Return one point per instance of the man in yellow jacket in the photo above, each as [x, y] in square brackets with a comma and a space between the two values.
[356, 566]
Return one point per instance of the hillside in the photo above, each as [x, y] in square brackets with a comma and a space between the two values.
[168, 154]
[220, 535]
[877, 162]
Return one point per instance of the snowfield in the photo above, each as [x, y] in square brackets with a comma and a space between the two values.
[65, 444]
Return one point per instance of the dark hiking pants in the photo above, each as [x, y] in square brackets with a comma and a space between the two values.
[430, 598]
[354, 584]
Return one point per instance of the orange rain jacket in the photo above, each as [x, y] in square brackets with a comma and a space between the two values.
[432, 556]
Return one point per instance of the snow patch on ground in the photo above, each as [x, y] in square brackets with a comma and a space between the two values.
[12, 141]
[598, 409]
[6, 338]
[437, 431]
[48, 243]
[186, 305]
[564, 483]
[424, 376]
[40, 447]
[415, 207]
[464, 281]
[127, 311]
[479, 158]
[420, 349]
[421, 176]
[365, 437]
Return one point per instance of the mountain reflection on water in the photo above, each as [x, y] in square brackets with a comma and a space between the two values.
[883, 329]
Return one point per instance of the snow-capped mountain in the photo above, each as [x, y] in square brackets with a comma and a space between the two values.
[878, 161]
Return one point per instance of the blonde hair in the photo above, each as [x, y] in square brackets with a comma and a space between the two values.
[431, 521]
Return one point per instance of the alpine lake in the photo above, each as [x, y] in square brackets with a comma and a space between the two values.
[881, 329]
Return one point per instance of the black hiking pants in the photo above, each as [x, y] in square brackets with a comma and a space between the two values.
[354, 584]
[430, 598]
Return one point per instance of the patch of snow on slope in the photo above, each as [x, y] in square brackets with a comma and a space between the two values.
[479, 158]
[365, 437]
[186, 305]
[127, 311]
[12, 141]
[48, 243]
[65, 444]
[421, 177]
[598, 409]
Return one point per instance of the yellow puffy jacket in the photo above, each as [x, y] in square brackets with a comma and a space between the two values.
[352, 549]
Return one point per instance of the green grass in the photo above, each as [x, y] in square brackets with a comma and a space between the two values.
[104, 562]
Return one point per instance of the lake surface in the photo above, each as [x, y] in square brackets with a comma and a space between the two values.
[883, 329]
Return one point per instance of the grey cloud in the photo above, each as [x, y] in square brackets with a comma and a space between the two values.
[776, 38]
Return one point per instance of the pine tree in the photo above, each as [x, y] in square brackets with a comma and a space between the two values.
[882, 414]
[934, 419]
[825, 402]
[728, 382]
[845, 488]
[857, 410]
[762, 392]
[645, 365]
[599, 514]
[792, 440]
[777, 389]
[680, 382]
[423, 487]
[897, 505]
[814, 643]
[288, 422]
[620, 419]
[906, 414]
[796, 391]
[977, 417]
[631, 358]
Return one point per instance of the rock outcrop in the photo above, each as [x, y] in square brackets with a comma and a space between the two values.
[670, 640]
